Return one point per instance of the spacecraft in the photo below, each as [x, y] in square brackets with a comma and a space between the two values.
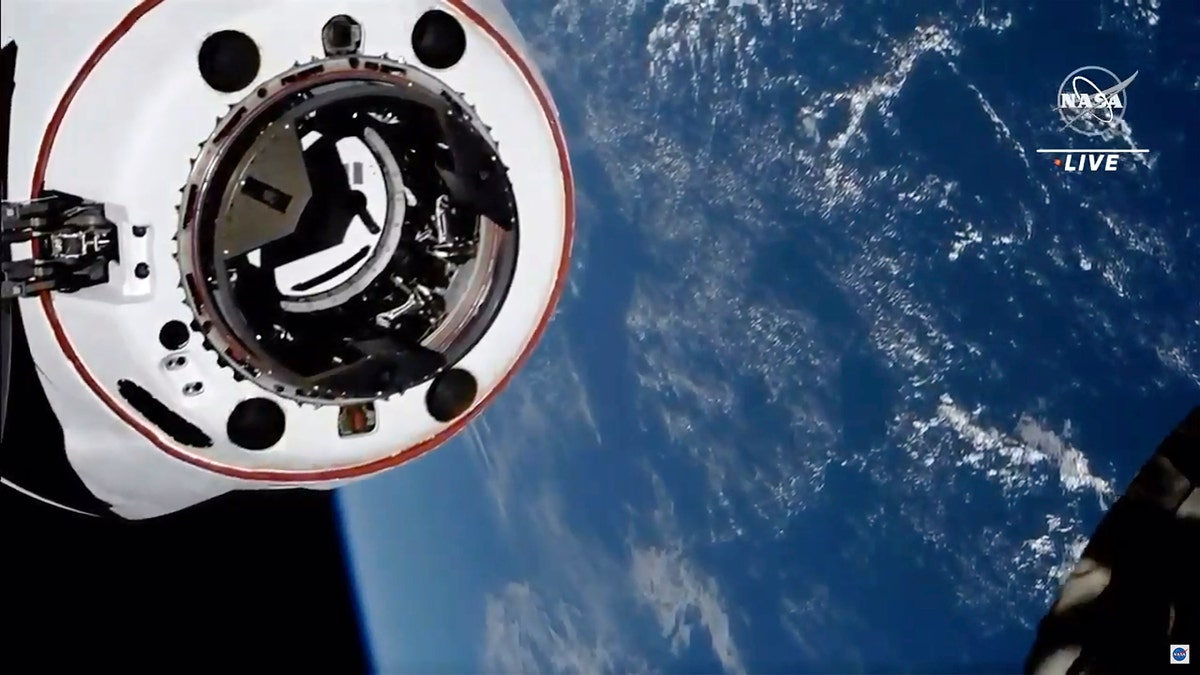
[1132, 602]
[260, 244]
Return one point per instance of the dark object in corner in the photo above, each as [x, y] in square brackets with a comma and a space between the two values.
[1136, 589]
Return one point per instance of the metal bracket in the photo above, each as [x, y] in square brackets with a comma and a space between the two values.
[73, 244]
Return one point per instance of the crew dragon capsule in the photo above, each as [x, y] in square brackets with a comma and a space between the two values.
[256, 244]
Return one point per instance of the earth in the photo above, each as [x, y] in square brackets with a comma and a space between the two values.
[846, 372]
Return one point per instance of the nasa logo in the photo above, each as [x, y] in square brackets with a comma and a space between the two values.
[1092, 102]
[1180, 654]
[1088, 109]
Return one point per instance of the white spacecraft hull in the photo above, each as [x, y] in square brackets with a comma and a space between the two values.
[106, 106]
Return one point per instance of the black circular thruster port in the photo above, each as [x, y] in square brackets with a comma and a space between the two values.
[451, 394]
[174, 335]
[228, 61]
[438, 39]
[256, 424]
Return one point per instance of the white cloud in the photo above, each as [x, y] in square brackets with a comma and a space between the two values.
[578, 610]
[560, 615]
[1008, 459]
[578, 603]
[567, 612]
[1073, 470]
[824, 630]
[679, 595]
[676, 592]
[536, 421]
[526, 633]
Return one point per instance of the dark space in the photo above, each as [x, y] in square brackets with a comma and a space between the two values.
[251, 582]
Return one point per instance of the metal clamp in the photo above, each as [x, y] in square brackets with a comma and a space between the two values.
[73, 244]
